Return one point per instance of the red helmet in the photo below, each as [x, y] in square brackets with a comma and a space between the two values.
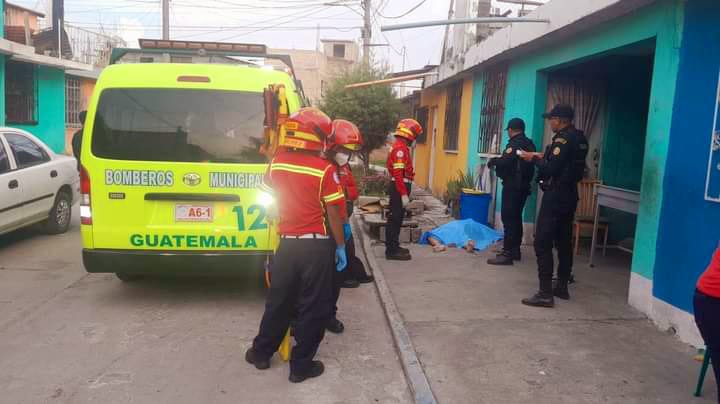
[306, 129]
[344, 134]
[409, 129]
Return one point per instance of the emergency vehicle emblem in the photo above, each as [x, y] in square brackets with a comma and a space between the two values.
[400, 154]
[192, 179]
[556, 151]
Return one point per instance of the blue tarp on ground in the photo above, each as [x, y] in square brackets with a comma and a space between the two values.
[459, 232]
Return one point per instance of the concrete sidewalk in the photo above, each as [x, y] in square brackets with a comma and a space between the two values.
[478, 344]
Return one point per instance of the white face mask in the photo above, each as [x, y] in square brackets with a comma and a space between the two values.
[342, 158]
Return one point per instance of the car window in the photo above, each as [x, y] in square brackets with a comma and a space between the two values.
[147, 124]
[4, 160]
[27, 153]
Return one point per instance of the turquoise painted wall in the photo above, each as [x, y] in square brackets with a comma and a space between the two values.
[628, 94]
[50, 127]
[478, 88]
[662, 21]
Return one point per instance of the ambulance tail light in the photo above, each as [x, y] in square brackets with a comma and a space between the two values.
[85, 205]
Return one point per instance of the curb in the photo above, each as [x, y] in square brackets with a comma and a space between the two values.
[414, 373]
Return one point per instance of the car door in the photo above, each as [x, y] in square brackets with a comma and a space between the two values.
[10, 196]
[35, 175]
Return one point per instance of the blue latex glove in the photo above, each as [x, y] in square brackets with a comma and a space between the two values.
[347, 229]
[340, 259]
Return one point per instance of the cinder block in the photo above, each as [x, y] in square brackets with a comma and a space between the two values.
[366, 200]
[415, 234]
[405, 235]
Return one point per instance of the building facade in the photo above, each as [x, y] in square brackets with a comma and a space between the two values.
[643, 78]
[315, 69]
[32, 85]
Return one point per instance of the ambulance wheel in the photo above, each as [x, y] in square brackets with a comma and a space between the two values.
[126, 277]
[59, 218]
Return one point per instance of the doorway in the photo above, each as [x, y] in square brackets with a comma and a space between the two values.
[611, 96]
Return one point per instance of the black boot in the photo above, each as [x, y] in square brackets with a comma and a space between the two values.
[516, 256]
[540, 299]
[365, 278]
[397, 255]
[335, 326]
[504, 258]
[561, 290]
[316, 369]
[251, 357]
[404, 250]
[350, 284]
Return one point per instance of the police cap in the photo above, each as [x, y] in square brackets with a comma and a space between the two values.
[560, 111]
[516, 124]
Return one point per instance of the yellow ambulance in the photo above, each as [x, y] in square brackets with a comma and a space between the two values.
[171, 162]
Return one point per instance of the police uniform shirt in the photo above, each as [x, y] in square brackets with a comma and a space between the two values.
[564, 159]
[509, 166]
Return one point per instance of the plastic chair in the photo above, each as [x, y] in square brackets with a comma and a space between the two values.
[585, 214]
[703, 372]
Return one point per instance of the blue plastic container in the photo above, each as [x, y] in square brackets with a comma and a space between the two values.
[475, 205]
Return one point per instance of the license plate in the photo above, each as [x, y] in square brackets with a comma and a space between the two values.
[193, 213]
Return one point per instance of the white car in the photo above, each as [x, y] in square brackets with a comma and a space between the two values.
[36, 185]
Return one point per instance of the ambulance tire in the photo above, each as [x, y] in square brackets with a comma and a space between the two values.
[126, 277]
[60, 215]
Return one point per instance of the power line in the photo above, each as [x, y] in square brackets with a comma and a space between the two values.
[405, 13]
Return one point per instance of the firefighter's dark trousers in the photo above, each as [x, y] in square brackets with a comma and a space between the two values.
[395, 219]
[301, 285]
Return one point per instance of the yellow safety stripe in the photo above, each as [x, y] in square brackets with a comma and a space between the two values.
[399, 165]
[266, 188]
[406, 131]
[333, 197]
[297, 169]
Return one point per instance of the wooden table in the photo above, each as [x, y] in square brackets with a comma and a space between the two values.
[615, 198]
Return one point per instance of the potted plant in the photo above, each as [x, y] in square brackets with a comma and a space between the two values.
[455, 188]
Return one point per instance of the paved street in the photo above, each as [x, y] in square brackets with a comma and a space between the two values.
[478, 344]
[70, 337]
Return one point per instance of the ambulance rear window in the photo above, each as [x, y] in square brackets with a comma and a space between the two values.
[179, 125]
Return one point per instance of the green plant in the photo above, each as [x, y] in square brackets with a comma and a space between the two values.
[374, 109]
[374, 185]
[456, 184]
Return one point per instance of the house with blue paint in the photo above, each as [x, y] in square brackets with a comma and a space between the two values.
[643, 76]
[32, 75]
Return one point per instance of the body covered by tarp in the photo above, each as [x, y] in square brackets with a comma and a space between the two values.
[460, 232]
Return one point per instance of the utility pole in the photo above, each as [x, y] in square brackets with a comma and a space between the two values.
[367, 31]
[166, 19]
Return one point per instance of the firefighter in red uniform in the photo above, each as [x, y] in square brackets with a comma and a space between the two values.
[342, 143]
[306, 188]
[399, 165]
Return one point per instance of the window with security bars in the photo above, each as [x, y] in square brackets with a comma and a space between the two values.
[492, 111]
[20, 93]
[421, 115]
[452, 116]
[72, 103]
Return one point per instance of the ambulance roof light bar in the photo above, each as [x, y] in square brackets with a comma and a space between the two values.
[243, 49]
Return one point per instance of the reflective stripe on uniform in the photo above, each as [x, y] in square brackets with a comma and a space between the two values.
[398, 165]
[333, 197]
[266, 188]
[297, 169]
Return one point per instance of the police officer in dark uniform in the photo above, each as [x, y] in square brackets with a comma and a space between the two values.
[560, 168]
[516, 175]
